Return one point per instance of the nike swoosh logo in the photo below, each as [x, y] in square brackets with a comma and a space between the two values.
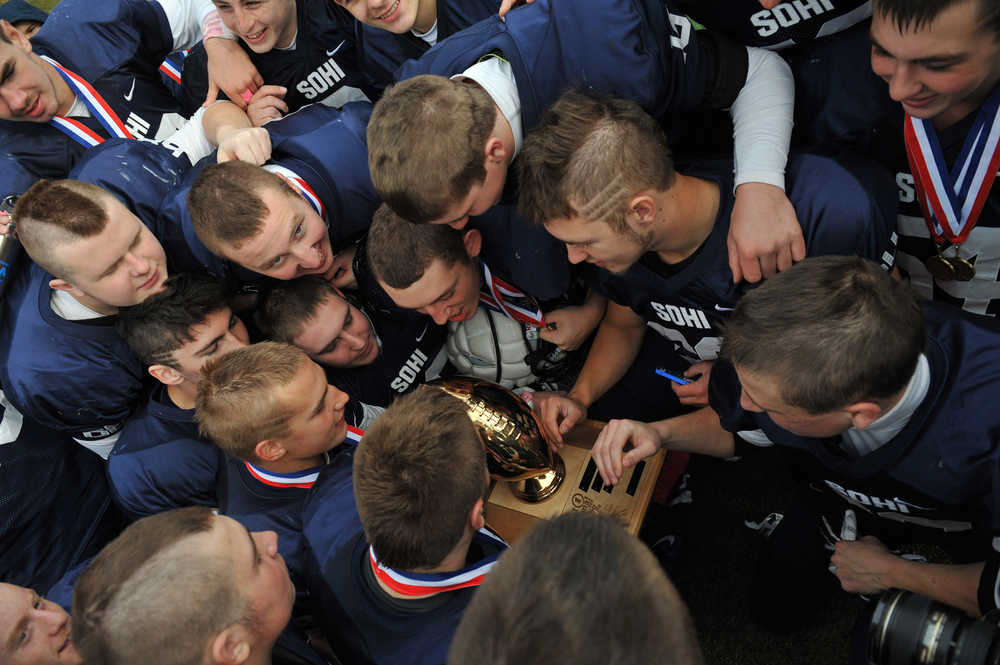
[422, 332]
[131, 91]
[334, 51]
[720, 308]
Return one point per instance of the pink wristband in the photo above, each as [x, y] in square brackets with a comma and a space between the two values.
[246, 95]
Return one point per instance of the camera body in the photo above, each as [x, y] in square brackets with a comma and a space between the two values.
[910, 629]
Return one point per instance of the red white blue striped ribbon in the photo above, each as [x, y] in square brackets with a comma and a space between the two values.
[95, 103]
[952, 201]
[301, 185]
[509, 300]
[425, 584]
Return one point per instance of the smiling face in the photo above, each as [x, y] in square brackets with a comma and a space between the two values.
[293, 239]
[262, 24]
[338, 335]
[33, 630]
[120, 266]
[942, 70]
[396, 16]
[317, 424]
[597, 243]
[443, 292]
[27, 92]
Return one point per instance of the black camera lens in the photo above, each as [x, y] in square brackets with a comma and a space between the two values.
[911, 629]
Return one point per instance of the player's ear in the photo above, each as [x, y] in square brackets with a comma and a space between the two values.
[269, 450]
[62, 285]
[231, 646]
[165, 374]
[864, 414]
[496, 151]
[641, 212]
[473, 241]
[14, 36]
[476, 517]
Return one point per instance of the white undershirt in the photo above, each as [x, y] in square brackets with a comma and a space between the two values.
[496, 77]
[431, 36]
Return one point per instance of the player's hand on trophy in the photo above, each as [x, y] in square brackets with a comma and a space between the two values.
[507, 5]
[764, 233]
[609, 449]
[230, 70]
[864, 565]
[696, 392]
[248, 144]
[559, 413]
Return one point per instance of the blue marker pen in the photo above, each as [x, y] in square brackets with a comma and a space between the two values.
[676, 379]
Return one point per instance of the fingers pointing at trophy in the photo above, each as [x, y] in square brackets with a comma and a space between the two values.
[609, 448]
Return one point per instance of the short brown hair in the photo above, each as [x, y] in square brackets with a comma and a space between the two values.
[535, 614]
[588, 156]
[400, 252]
[225, 204]
[147, 596]
[917, 14]
[426, 144]
[831, 330]
[57, 212]
[287, 306]
[417, 473]
[236, 406]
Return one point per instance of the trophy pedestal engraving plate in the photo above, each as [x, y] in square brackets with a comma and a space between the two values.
[581, 490]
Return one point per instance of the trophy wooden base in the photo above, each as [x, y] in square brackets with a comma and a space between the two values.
[581, 490]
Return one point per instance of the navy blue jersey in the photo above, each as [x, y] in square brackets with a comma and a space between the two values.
[982, 247]
[936, 481]
[57, 507]
[75, 376]
[383, 51]
[365, 624]
[522, 252]
[264, 501]
[115, 46]
[330, 515]
[139, 173]
[326, 148]
[841, 212]
[160, 462]
[321, 68]
[647, 55]
[14, 178]
[788, 23]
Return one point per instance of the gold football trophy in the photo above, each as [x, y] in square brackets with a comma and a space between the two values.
[517, 450]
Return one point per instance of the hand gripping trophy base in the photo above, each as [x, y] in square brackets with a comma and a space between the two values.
[517, 450]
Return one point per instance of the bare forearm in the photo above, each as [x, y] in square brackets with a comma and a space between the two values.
[952, 584]
[697, 432]
[615, 348]
[223, 118]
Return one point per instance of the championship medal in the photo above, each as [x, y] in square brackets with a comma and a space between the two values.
[939, 267]
[963, 268]
[951, 201]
